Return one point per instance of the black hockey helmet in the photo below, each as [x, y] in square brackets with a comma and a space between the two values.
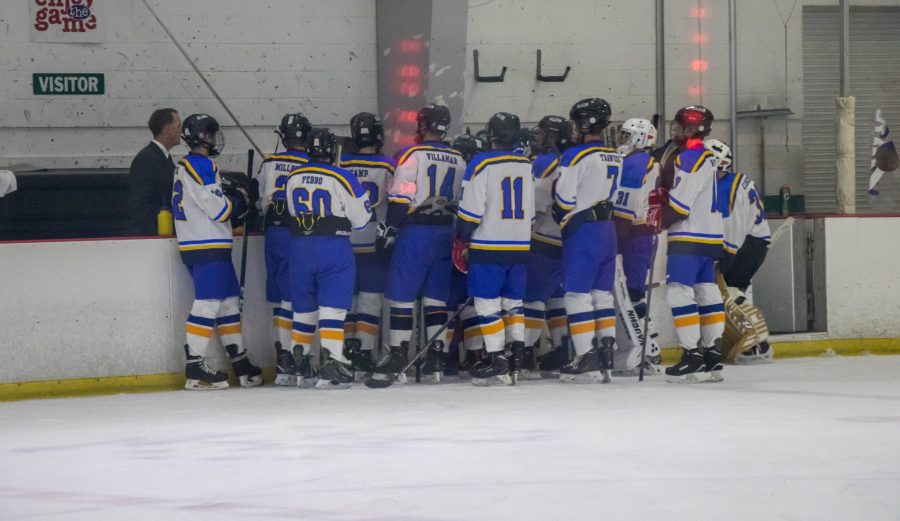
[590, 115]
[294, 126]
[366, 130]
[321, 144]
[432, 118]
[503, 129]
[696, 120]
[554, 134]
[468, 145]
[203, 129]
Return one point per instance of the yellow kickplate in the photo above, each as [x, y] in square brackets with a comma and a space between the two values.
[814, 348]
[141, 383]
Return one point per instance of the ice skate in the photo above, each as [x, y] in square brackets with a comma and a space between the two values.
[473, 356]
[493, 370]
[335, 374]
[361, 362]
[551, 363]
[691, 368]
[761, 354]
[303, 368]
[199, 376]
[248, 374]
[433, 368]
[605, 353]
[391, 364]
[712, 357]
[584, 369]
[285, 373]
[528, 369]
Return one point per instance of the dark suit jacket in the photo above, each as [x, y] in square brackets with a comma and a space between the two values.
[149, 188]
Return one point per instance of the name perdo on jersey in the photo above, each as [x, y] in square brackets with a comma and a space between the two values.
[74, 16]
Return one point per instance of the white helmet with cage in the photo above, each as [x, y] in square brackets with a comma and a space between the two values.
[634, 134]
[721, 152]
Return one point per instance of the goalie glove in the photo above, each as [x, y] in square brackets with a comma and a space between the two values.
[386, 235]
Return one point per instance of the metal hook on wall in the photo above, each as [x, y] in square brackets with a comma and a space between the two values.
[487, 79]
[541, 77]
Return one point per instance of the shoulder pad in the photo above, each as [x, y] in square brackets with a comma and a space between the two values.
[199, 168]
[691, 160]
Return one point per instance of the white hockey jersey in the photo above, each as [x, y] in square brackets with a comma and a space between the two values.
[743, 214]
[639, 176]
[588, 174]
[273, 176]
[375, 173]
[694, 195]
[424, 171]
[546, 235]
[498, 202]
[201, 211]
[317, 190]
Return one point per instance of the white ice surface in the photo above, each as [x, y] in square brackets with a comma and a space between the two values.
[804, 439]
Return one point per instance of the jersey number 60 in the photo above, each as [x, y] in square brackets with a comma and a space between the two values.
[319, 204]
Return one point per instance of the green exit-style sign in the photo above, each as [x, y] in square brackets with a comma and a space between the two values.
[63, 84]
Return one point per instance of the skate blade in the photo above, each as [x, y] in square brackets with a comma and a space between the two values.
[361, 376]
[306, 383]
[329, 385]
[382, 380]
[251, 381]
[530, 375]
[199, 385]
[503, 379]
[591, 377]
[715, 377]
[286, 380]
[690, 378]
[550, 375]
[434, 378]
[752, 360]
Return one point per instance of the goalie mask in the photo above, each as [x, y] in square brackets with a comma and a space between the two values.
[636, 134]
[203, 129]
[721, 152]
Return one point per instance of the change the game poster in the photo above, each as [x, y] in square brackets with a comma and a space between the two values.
[65, 21]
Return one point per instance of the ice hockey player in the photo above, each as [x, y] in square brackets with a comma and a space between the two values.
[203, 215]
[583, 206]
[420, 218]
[494, 220]
[695, 240]
[327, 202]
[374, 172]
[272, 178]
[544, 303]
[747, 236]
[472, 345]
[640, 174]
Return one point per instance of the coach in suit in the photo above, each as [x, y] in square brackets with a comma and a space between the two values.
[151, 173]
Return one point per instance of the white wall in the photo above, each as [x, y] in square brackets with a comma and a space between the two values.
[109, 308]
[862, 277]
[265, 57]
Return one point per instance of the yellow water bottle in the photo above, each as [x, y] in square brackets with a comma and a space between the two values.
[165, 224]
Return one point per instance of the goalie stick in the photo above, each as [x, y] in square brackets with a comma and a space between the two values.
[372, 383]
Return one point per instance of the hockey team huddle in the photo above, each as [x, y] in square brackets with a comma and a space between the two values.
[488, 243]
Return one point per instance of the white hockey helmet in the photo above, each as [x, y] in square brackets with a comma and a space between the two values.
[636, 133]
[721, 152]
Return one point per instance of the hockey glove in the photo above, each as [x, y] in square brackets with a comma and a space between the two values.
[726, 262]
[386, 235]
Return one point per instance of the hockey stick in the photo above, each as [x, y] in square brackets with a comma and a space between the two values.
[244, 237]
[372, 383]
[782, 228]
[647, 315]
[203, 78]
